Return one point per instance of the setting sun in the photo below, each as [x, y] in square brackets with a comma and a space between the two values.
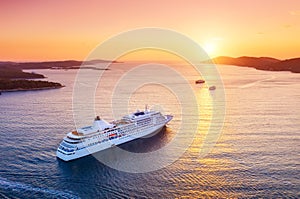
[210, 48]
[63, 30]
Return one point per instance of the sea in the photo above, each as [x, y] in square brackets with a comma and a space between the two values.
[253, 151]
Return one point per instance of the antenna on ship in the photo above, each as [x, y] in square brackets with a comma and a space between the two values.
[146, 107]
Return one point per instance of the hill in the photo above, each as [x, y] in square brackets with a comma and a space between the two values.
[23, 85]
[261, 63]
[246, 61]
[292, 65]
[51, 64]
[16, 73]
[13, 78]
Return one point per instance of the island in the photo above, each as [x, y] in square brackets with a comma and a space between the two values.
[7, 72]
[25, 85]
[13, 78]
[261, 63]
[66, 64]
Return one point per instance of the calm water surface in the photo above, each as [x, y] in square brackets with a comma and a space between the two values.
[257, 154]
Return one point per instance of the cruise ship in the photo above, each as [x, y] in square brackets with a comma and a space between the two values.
[103, 135]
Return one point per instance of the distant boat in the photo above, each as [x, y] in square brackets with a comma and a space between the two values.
[212, 88]
[200, 81]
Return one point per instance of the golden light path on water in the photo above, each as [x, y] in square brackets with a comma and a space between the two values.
[159, 97]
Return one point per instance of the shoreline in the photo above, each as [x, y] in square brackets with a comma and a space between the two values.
[261, 63]
[30, 89]
[260, 69]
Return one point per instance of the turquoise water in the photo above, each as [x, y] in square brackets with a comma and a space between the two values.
[257, 154]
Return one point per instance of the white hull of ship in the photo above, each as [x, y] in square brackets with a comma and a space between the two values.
[105, 145]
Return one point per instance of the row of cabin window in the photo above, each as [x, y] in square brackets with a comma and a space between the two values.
[91, 144]
[146, 119]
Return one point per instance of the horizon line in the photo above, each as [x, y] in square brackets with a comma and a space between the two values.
[138, 60]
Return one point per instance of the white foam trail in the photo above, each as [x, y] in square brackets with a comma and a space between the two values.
[256, 82]
[20, 187]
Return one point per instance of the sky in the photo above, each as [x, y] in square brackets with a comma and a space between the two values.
[34, 30]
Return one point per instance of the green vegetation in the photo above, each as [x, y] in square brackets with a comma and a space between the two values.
[6, 85]
[14, 79]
